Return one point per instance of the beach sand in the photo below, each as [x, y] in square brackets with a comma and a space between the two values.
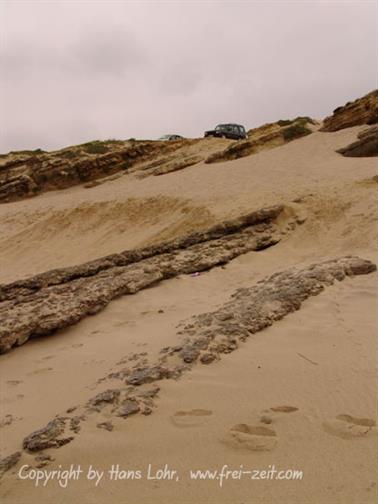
[299, 395]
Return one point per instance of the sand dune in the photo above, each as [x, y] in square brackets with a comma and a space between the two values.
[300, 394]
[128, 212]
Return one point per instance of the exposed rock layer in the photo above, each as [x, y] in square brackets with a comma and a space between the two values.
[8, 462]
[265, 137]
[365, 146]
[26, 175]
[50, 436]
[59, 298]
[361, 111]
[250, 310]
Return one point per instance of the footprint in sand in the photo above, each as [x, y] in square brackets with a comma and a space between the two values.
[14, 382]
[10, 400]
[251, 437]
[7, 420]
[349, 427]
[93, 333]
[38, 371]
[192, 418]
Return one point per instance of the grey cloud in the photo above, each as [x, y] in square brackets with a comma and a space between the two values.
[181, 78]
[108, 50]
[74, 71]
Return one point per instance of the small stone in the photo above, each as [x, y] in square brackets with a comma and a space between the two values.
[105, 425]
[149, 392]
[189, 354]
[104, 398]
[207, 358]
[165, 350]
[47, 437]
[128, 407]
[43, 458]
[177, 348]
[147, 411]
[75, 423]
[147, 375]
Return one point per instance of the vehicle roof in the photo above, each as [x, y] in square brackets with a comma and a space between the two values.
[230, 124]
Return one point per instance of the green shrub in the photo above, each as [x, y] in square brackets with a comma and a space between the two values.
[303, 120]
[70, 154]
[113, 141]
[298, 120]
[295, 131]
[28, 152]
[284, 122]
[95, 147]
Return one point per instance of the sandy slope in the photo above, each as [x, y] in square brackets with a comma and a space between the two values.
[321, 360]
[128, 212]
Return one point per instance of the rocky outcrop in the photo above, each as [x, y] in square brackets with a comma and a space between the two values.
[361, 111]
[8, 462]
[26, 175]
[205, 338]
[365, 146]
[253, 309]
[265, 137]
[163, 166]
[104, 398]
[59, 298]
[50, 436]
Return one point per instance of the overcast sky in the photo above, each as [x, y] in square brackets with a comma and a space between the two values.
[74, 71]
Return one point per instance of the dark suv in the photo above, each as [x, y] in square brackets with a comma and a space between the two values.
[233, 131]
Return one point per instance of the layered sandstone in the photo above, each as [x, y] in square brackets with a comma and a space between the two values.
[361, 111]
[365, 146]
[59, 298]
[265, 137]
[26, 175]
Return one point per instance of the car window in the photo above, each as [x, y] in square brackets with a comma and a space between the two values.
[231, 128]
